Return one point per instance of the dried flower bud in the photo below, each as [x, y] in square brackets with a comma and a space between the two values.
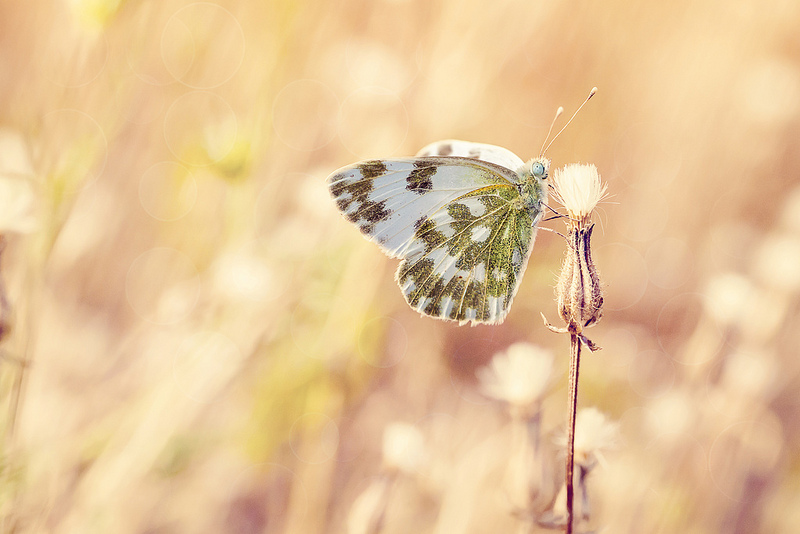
[578, 293]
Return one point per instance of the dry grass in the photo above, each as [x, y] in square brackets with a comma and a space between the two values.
[205, 346]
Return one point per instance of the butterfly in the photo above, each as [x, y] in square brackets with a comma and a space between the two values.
[461, 216]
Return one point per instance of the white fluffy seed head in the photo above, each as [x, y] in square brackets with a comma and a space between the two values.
[579, 188]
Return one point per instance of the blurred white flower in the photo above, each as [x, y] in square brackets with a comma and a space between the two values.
[243, 275]
[17, 201]
[749, 375]
[729, 297]
[403, 448]
[579, 189]
[776, 262]
[17, 196]
[594, 433]
[15, 158]
[518, 376]
[669, 417]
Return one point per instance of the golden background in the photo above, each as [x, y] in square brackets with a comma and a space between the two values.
[200, 343]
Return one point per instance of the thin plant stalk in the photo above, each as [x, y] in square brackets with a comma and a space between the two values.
[574, 367]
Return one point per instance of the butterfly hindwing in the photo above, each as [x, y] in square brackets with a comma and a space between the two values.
[466, 260]
[465, 149]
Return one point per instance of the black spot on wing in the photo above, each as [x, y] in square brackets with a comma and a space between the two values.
[372, 169]
[351, 190]
[357, 189]
[375, 211]
[445, 149]
[343, 204]
[420, 179]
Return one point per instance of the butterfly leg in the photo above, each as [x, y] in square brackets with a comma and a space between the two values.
[551, 230]
[556, 213]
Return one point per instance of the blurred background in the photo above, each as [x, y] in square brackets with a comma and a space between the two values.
[196, 341]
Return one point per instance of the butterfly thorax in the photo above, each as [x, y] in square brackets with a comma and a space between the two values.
[532, 189]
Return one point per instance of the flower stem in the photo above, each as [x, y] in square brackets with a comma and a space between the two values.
[574, 365]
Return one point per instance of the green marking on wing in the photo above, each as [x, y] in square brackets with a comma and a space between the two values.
[480, 283]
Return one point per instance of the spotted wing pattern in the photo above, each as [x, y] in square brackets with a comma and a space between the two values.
[465, 261]
[459, 224]
[385, 198]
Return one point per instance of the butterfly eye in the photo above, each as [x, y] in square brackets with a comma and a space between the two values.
[537, 169]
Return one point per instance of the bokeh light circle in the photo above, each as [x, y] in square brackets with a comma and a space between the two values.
[200, 128]
[651, 373]
[373, 122]
[307, 320]
[76, 58]
[744, 450]
[167, 191]
[138, 101]
[304, 115]
[383, 342]
[203, 363]
[186, 50]
[644, 218]
[326, 432]
[677, 322]
[670, 262]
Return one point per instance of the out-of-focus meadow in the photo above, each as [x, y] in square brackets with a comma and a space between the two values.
[198, 342]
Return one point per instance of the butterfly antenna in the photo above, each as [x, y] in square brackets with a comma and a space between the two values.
[591, 94]
[559, 111]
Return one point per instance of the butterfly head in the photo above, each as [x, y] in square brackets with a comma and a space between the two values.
[539, 167]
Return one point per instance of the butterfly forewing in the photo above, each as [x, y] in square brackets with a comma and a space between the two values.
[386, 198]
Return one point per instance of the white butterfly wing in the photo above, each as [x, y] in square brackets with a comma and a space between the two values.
[458, 224]
[465, 149]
